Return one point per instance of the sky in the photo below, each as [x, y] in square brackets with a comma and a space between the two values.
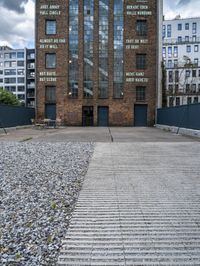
[17, 19]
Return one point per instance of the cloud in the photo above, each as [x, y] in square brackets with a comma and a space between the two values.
[183, 3]
[185, 8]
[14, 5]
[17, 19]
[17, 28]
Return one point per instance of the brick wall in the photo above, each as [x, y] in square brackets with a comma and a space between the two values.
[120, 110]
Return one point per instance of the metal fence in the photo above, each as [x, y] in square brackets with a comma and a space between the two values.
[11, 116]
[185, 116]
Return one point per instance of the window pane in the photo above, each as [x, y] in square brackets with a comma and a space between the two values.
[50, 94]
[73, 48]
[141, 27]
[118, 67]
[50, 60]
[20, 55]
[20, 63]
[50, 26]
[141, 61]
[140, 94]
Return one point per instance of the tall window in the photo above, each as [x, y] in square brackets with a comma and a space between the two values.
[140, 94]
[164, 31]
[170, 76]
[141, 27]
[170, 52]
[169, 31]
[194, 28]
[73, 48]
[164, 52]
[141, 61]
[179, 26]
[50, 27]
[188, 49]
[177, 101]
[103, 48]
[175, 51]
[176, 76]
[196, 48]
[187, 26]
[118, 49]
[51, 60]
[50, 94]
[88, 48]
[186, 38]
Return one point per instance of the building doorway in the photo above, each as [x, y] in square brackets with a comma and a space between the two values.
[103, 116]
[88, 116]
[50, 111]
[140, 115]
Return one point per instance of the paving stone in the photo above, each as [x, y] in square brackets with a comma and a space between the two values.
[139, 206]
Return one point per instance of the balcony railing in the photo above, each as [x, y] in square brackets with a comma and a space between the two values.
[30, 95]
[31, 66]
[31, 86]
[192, 65]
[31, 76]
[181, 41]
[31, 57]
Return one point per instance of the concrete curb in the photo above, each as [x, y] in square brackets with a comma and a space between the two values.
[182, 131]
[9, 129]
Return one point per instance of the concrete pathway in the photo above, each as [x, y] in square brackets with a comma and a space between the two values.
[94, 134]
[139, 206]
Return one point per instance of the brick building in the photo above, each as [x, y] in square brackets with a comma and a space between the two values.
[98, 62]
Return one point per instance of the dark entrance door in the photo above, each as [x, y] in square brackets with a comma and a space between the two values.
[88, 116]
[140, 115]
[103, 116]
[50, 111]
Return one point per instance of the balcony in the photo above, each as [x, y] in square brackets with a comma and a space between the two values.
[30, 95]
[31, 57]
[31, 76]
[31, 86]
[31, 66]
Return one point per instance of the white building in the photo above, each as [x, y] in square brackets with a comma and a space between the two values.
[17, 73]
[181, 56]
[13, 71]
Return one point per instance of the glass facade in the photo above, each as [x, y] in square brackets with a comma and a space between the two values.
[73, 48]
[88, 47]
[103, 47]
[118, 66]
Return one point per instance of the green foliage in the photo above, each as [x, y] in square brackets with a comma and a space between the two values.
[7, 97]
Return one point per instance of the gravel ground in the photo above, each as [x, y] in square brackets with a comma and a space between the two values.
[39, 186]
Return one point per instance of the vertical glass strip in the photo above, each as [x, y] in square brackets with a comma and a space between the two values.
[103, 47]
[118, 66]
[88, 48]
[73, 48]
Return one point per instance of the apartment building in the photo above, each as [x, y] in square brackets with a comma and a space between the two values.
[17, 73]
[98, 62]
[13, 71]
[181, 55]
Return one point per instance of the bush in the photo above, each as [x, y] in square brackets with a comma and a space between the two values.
[7, 97]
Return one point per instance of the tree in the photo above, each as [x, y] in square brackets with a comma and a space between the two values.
[7, 97]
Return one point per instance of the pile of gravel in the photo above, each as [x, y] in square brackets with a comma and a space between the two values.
[39, 186]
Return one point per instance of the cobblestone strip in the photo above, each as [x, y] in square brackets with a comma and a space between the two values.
[139, 206]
